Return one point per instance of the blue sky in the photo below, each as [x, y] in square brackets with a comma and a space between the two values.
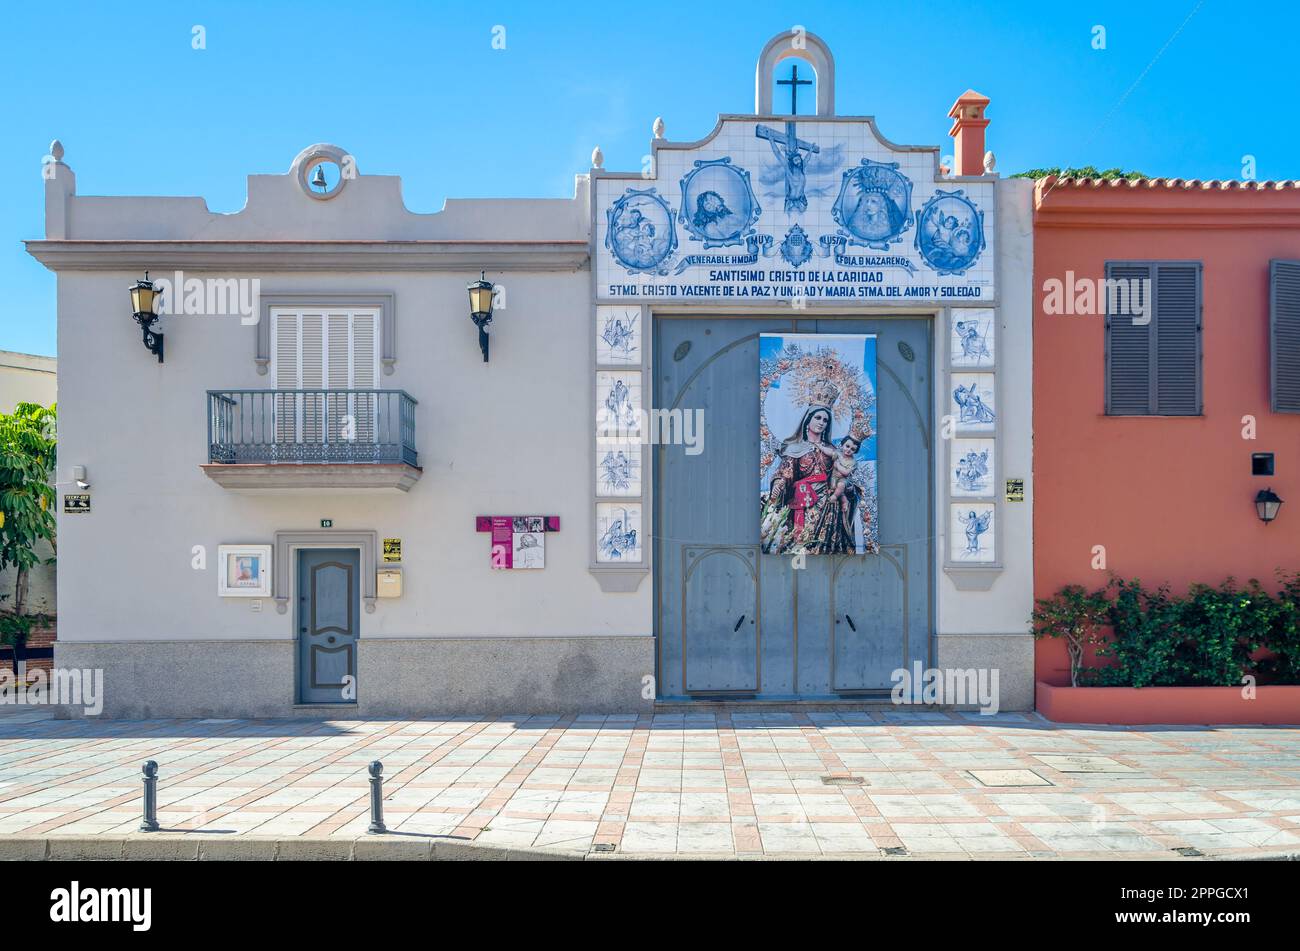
[416, 89]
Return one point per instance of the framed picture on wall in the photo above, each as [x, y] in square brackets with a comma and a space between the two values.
[244, 571]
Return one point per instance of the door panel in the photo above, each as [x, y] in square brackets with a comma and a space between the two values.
[870, 629]
[800, 643]
[887, 595]
[779, 587]
[810, 640]
[721, 620]
[329, 601]
[711, 366]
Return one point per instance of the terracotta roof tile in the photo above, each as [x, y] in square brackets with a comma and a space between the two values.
[1188, 184]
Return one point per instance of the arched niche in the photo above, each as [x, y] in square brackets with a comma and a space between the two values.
[807, 47]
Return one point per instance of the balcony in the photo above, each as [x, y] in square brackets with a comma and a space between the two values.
[265, 440]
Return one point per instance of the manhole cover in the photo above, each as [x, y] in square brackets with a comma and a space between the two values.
[604, 847]
[1080, 763]
[844, 781]
[1188, 852]
[895, 850]
[1008, 777]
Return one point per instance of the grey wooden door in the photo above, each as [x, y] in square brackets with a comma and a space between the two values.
[329, 602]
[732, 622]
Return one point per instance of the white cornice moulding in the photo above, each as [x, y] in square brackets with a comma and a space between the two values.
[268, 256]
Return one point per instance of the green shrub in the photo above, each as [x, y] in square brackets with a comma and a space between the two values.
[1205, 638]
[1075, 615]
[1283, 639]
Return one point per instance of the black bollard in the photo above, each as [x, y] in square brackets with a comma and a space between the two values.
[376, 798]
[150, 821]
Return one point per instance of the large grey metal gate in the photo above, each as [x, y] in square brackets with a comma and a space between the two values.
[732, 622]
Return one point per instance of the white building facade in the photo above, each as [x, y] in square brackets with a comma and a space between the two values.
[323, 499]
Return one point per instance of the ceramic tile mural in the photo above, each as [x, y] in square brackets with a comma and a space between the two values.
[618, 405]
[972, 338]
[618, 468]
[618, 336]
[972, 533]
[971, 474]
[620, 415]
[973, 404]
[972, 462]
[814, 209]
[618, 532]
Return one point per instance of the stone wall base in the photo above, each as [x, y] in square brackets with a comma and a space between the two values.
[439, 676]
[506, 675]
[406, 677]
[1011, 655]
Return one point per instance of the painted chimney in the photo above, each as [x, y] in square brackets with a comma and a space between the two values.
[967, 131]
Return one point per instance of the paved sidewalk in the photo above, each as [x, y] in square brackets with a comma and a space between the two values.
[934, 784]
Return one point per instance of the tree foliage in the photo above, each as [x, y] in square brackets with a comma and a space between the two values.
[27, 457]
[1076, 615]
[1086, 171]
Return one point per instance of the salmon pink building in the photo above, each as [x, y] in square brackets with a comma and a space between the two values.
[1166, 386]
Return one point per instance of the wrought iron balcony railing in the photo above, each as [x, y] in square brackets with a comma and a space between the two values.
[321, 426]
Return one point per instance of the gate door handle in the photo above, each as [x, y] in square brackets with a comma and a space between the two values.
[849, 618]
[739, 621]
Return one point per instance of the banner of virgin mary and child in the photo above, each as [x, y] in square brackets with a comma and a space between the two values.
[817, 431]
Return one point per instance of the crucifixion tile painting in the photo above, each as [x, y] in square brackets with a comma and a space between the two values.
[799, 209]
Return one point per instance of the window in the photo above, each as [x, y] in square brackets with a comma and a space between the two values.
[1153, 338]
[383, 303]
[1284, 334]
[326, 350]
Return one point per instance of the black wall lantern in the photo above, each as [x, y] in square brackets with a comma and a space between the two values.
[144, 298]
[480, 310]
[1266, 505]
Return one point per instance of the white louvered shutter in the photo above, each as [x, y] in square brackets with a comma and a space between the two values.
[284, 328]
[338, 356]
[331, 351]
[365, 375]
[311, 376]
